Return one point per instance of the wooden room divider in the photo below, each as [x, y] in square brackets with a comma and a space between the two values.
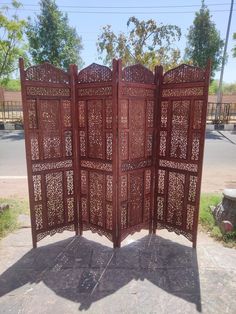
[114, 150]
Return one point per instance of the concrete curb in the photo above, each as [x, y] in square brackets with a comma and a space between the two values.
[221, 127]
[11, 126]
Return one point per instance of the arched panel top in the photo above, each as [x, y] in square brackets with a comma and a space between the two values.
[46, 72]
[138, 74]
[183, 74]
[95, 73]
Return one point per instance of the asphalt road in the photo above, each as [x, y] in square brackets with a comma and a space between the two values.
[219, 170]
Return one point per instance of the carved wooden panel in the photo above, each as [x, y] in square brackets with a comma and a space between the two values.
[114, 151]
[136, 130]
[182, 119]
[48, 124]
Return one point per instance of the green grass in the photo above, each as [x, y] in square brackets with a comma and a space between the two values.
[12, 85]
[207, 220]
[9, 217]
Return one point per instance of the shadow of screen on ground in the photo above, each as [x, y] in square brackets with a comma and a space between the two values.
[84, 271]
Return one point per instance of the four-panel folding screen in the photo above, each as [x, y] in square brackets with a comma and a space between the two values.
[114, 150]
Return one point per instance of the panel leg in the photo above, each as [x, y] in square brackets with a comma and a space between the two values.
[34, 243]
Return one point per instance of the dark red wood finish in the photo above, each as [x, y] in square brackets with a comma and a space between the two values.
[114, 151]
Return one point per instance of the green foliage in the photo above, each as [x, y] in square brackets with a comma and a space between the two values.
[52, 39]
[13, 85]
[227, 88]
[234, 49]
[204, 42]
[8, 218]
[207, 220]
[11, 41]
[146, 42]
[213, 87]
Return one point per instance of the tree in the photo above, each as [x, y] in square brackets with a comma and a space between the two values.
[234, 49]
[146, 42]
[52, 39]
[204, 42]
[11, 41]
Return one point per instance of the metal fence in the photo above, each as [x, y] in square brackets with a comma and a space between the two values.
[221, 113]
[11, 111]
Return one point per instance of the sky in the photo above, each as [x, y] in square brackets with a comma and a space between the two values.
[89, 16]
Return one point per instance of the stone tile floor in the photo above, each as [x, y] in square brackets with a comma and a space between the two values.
[148, 274]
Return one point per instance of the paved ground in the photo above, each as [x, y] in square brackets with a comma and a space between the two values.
[219, 170]
[154, 274]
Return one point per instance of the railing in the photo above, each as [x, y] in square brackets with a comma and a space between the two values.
[11, 111]
[221, 113]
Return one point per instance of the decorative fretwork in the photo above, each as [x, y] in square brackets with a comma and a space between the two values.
[51, 165]
[136, 129]
[82, 142]
[84, 181]
[66, 109]
[70, 209]
[147, 209]
[137, 73]
[114, 168]
[108, 114]
[195, 146]
[68, 143]
[163, 140]
[70, 182]
[37, 186]
[54, 192]
[150, 113]
[109, 188]
[192, 188]
[124, 153]
[109, 216]
[135, 199]
[84, 207]
[190, 217]
[47, 73]
[179, 134]
[175, 198]
[132, 165]
[32, 114]
[96, 91]
[38, 211]
[178, 165]
[161, 181]
[34, 146]
[124, 113]
[123, 187]
[82, 115]
[96, 188]
[97, 165]
[197, 115]
[52, 145]
[123, 215]
[95, 73]
[109, 146]
[137, 92]
[148, 177]
[95, 129]
[160, 208]
[183, 74]
[49, 115]
[183, 92]
[47, 91]
[164, 114]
